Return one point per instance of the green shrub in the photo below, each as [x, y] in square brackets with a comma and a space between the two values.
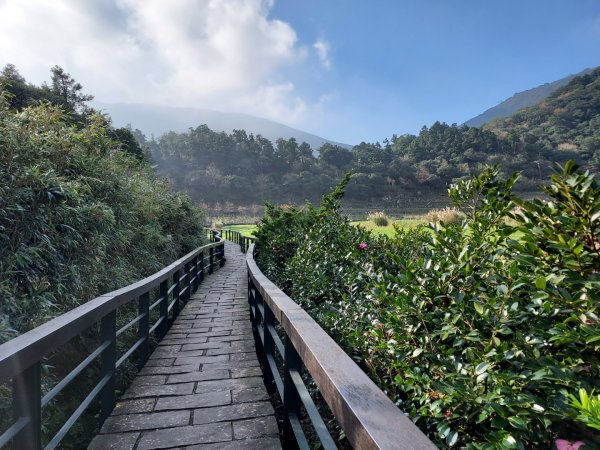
[78, 217]
[379, 218]
[480, 330]
[587, 408]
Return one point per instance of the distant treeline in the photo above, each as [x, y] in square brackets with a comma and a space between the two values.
[403, 172]
[242, 169]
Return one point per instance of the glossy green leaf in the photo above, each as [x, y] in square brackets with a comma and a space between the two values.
[540, 283]
[517, 422]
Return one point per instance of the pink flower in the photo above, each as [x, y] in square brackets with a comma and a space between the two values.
[448, 414]
[563, 444]
[362, 245]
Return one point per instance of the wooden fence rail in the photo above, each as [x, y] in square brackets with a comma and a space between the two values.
[238, 238]
[21, 358]
[293, 344]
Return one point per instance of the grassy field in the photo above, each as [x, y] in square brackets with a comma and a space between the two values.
[248, 229]
[388, 230]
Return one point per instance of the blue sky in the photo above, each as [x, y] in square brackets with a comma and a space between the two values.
[346, 70]
[398, 65]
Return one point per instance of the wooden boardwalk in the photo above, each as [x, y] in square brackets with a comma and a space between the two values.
[202, 387]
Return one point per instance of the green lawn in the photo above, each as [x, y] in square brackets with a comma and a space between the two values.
[245, 229]
[388, 230]
[249, 229]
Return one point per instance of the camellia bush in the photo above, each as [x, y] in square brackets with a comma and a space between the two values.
[485, 332]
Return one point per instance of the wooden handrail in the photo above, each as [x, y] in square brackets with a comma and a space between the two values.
[20, 358]
[368, 417]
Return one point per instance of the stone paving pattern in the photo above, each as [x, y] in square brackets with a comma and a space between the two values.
[202, 388]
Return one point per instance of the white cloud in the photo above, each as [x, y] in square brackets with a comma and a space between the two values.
[323, 48]
[279, 102]
[219, 54]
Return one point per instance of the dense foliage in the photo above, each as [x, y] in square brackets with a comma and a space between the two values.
[406, 171]
[65, 92]
[481, 331]
[81, 213]
[78, 216]
[568, 121]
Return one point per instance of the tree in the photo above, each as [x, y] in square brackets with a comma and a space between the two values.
[335, 156]
[67, 92]
[21, 93]
[128, 142]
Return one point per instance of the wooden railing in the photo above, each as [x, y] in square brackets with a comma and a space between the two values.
[369, 419]
[21, 358]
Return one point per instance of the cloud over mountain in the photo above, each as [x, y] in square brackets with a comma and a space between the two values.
[224, 54]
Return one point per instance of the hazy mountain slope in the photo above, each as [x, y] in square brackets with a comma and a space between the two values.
[157, 120]
[566, 125]
[521, 100]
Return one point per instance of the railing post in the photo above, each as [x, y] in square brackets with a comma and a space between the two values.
[187, 275]
[176, 290]
[27, 399]
[291, 399]
[189, 267]
[164, 308]
[269, 343]
[222, 255]
[143, 329]
[212, 256]
[194, 273]
[201, 275]
[108, 332]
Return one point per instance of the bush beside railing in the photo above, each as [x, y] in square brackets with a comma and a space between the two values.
[21, 358]
[369, 419]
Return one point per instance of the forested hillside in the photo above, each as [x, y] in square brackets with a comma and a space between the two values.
[522, 100]
[567, 123]
[403, 171]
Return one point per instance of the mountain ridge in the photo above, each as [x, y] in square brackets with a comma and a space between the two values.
[157, 120]
[523, 99]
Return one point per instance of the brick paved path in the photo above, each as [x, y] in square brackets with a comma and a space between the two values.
[202, 387]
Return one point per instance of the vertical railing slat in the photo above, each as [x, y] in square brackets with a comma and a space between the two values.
[164, 308]
[195, 273]
[27, 402]
[187, 274]
[143, 329]
[269, 343]
[201, 266]
[291, 399]
[176, 289]
[108, 359]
